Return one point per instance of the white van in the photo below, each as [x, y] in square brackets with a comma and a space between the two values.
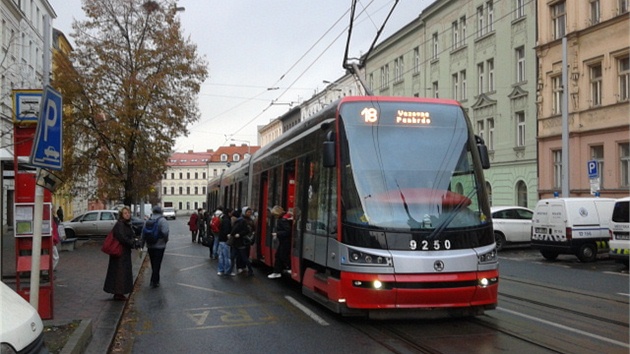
[572, 226]
[21, 328]
[620, 231]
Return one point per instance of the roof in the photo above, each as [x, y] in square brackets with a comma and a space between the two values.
[190, 158]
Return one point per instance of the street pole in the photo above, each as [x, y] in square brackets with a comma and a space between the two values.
[38, 211]
[565, 120]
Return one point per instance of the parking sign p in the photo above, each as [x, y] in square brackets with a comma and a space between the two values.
[592, 169]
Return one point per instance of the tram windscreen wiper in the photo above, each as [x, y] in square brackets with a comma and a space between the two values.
[451, 215]
[413, 223]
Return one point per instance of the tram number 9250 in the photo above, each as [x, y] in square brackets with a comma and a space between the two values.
[434, 245]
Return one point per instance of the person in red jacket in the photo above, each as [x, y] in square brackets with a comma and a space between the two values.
[193, 226]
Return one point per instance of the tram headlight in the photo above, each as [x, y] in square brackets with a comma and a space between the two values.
[358, 257]
[488, 257]
[377, 284]
[486, 282]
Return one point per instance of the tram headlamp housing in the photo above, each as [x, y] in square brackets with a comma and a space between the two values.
[486, 282]
[488, 257]
[358, 257]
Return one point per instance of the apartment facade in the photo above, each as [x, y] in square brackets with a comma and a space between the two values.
[184, 185]
[481, 54]
[598, 87]
[185, 181]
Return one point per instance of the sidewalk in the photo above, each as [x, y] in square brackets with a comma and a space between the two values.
[79, 295]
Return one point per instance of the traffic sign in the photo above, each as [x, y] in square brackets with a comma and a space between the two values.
[592, 169]
[47, 147]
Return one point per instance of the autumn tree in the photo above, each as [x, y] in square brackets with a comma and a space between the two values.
[130, 92]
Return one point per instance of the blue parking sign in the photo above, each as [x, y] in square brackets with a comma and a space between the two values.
[47, 146]
[592, 169]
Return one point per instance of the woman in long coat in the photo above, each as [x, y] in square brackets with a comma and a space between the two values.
[119, 279]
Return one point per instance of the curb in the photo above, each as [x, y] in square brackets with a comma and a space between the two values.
[79, 340]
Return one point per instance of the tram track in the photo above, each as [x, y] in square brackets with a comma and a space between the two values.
[531, 317]
[603, 303]
[400, 337]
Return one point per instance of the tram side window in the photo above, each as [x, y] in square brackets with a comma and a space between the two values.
[322, 199]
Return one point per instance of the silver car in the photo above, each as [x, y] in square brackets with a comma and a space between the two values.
[92, 223]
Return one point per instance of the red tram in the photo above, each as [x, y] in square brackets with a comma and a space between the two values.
[391, 215]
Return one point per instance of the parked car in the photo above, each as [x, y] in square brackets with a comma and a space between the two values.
[620, 231]
[21, 328]
[92, 223]
[512, 224]
[169, 213]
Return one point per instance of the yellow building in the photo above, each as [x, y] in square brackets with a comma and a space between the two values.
[598, 67]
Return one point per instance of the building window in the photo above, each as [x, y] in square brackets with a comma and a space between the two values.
[203, 190]
[521, 194]
[181, 190]
[385, 76]
[236, 157]
[481, 28]
[597, 155]
[187, 190]
[480, 129]
[490, 65]
[595, 12]
[624, 157]
[623, 67]
[480, 78]
[224, 157]
[623, 6]
[172, 175]
[462, 79]
[399, 69]
[436, 88]
[520, 64]
[455, 86]
[490, 141]
[164, 190]
[556, 83]
[490, 13]
[519, 12]
[558, 19]
[181, 175]
[557, 169]
[416, 60]
[520, 129]
[196, 175]
[436, 47]
[187, 175]
[370, 82]
[455, 34]
[196, 190]
[596, 84]
[173, 190]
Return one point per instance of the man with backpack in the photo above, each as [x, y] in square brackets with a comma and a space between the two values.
[155, 236]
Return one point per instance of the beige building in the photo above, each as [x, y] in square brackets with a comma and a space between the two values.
[598, 67]
[184, 185]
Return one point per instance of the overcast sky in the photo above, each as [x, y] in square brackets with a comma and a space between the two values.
[252, 45]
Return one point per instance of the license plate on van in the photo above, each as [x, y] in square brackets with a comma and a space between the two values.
[622, 236]
[541, 230]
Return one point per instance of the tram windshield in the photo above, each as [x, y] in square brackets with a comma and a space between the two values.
[408, 166]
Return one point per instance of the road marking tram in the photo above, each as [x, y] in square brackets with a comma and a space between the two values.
[390, 209]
